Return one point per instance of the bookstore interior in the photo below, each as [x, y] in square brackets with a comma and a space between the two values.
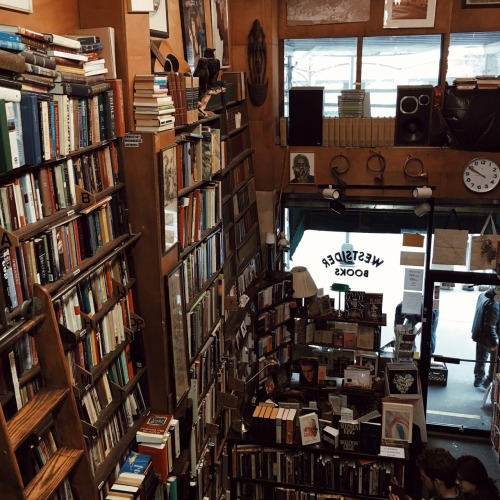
[249, 249]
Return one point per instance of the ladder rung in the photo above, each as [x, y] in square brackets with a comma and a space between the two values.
[52, 474]
[22, 424]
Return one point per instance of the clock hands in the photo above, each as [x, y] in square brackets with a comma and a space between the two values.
[472, 169]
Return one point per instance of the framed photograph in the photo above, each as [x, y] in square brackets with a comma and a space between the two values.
[177, 327]
[158, 20]
[401, 14]
[168, 183]
[402, 380]
[472, 4]
[220, 31]
[397, 422]
[369, 360]
[20, 5]
[309, 429]
[301, 168]
[194, 30]
[305, 12]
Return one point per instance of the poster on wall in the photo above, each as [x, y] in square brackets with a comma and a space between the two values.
[220, 31]
[399, 14]
[20, 5]
[193, 30]
[304, 12]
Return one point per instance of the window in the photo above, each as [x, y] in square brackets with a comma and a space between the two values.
[473, 54]
[387, 62]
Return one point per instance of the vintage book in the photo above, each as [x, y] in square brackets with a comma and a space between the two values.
[309, 428]
[117, 87]
[348, 435]
[290, 426]
[159, 455]
[373, 306]
[154, 429]
[5, 149]
[354, 304]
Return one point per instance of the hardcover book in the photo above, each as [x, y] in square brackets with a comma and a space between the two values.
[349, 435]
[154, 429]
[309, 429]
[354, 305]
[373, 306]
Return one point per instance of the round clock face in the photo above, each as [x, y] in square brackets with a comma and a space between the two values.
[481, 175]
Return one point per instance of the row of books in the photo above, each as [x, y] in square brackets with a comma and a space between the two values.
[211, 152]
[199, 211]
[202, 318]
[39, 128]
[482, 82]
[331, 471]
[34, 195]
[200, 264]
[267, 343]
[53, 253]
[274, 293]
[358, 132]
[189, 159]
[271, 318]
[244, 197]
[246, 224]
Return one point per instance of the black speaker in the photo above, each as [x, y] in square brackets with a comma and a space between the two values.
[305, 116]
[413, 115]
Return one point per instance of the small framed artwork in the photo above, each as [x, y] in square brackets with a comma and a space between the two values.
[369, 360]
[168, 183]
[397, 422]
[401, 14]
[309, 429]
[20, 5]
[302, 168]
[402, 380]
[140, 5]
[177, 324]
[472, 4]
[194, 30]
[158, 19]
[220, 31]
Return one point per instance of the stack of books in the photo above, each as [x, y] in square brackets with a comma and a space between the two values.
[353, 103]
[154, 108]
[136, 479]
[24, 60]
[156, 439]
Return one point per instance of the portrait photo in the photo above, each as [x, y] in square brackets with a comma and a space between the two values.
[308, 371]
[301, 168]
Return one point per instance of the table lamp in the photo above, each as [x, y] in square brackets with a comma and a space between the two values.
[339, 287]
[303, 287]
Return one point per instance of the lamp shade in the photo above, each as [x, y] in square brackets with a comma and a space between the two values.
[303, 284]
[270, 239]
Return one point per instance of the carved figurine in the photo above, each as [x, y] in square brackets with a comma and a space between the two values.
[257, 62]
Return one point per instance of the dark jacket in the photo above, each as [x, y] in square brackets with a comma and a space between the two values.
[486, 319]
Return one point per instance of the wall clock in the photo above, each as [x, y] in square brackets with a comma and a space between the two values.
[481, 175]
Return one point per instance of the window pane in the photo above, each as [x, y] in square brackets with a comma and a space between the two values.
[323, 62]
[389, 61]
[473, 54]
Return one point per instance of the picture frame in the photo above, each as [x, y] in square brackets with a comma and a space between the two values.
[397, 422]
[194, 32]
[309, 429]
[396, 14]
[402, 380]
[19, 5]
[169, 200]
[219, 14]
[158, 20]
[473, 4]
[177, 323]
[368, 359]
[301, 168]
[140, 5]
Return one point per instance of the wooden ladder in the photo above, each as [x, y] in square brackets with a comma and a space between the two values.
[54, 400]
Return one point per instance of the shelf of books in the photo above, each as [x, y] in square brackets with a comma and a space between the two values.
[64, 227]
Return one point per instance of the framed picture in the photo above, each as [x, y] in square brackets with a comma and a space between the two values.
[397, 422]
[158, 20]
[472, 4]
[140, 5]
[305, 12]
[194, 30]
[301, 168]
[168, 183]
[368, 359]
[220, 31]
[402, 380]
[177, 324]
[401, 14]
[20, 5]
